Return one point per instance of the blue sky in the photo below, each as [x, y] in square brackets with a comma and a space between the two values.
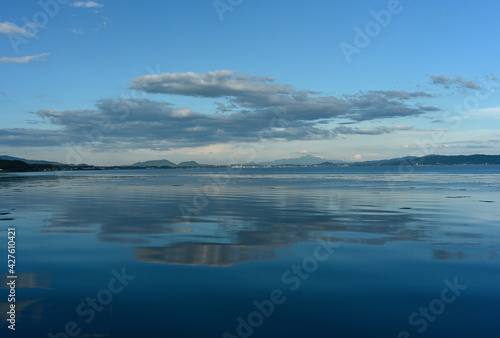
[115, 82]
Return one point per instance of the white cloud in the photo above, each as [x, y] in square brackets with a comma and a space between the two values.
[23, 59]
[9, 28]
[86, 4]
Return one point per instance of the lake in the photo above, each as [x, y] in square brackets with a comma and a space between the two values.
[254, 252]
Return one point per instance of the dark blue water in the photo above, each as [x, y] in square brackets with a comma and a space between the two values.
[268, 252]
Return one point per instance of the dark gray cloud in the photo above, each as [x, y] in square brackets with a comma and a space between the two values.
[220, 83]
[365, 131]
[145, 122]
[375, 105]
[23, 137]
[466, 83]
[256, 109]
[440, 79]
[254, 92]
[398, 94]
[457, 81]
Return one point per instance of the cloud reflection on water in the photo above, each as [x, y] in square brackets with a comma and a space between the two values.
[243, 221]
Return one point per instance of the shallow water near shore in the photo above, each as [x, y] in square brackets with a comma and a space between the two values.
[260, 252]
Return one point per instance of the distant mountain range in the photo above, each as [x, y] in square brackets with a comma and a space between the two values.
[11, 158]
[18, 164]
[167, 163]
[12, 164]
[303, 160]
[408, 160]
[437, 160]
[155, 163]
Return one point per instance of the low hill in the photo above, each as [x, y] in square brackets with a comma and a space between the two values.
[437, 160]
[155, 163]
[11, 158]
[20, 166]
[303, 160]
[191, 164]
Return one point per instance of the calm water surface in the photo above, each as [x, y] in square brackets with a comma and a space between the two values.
[281, 252]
